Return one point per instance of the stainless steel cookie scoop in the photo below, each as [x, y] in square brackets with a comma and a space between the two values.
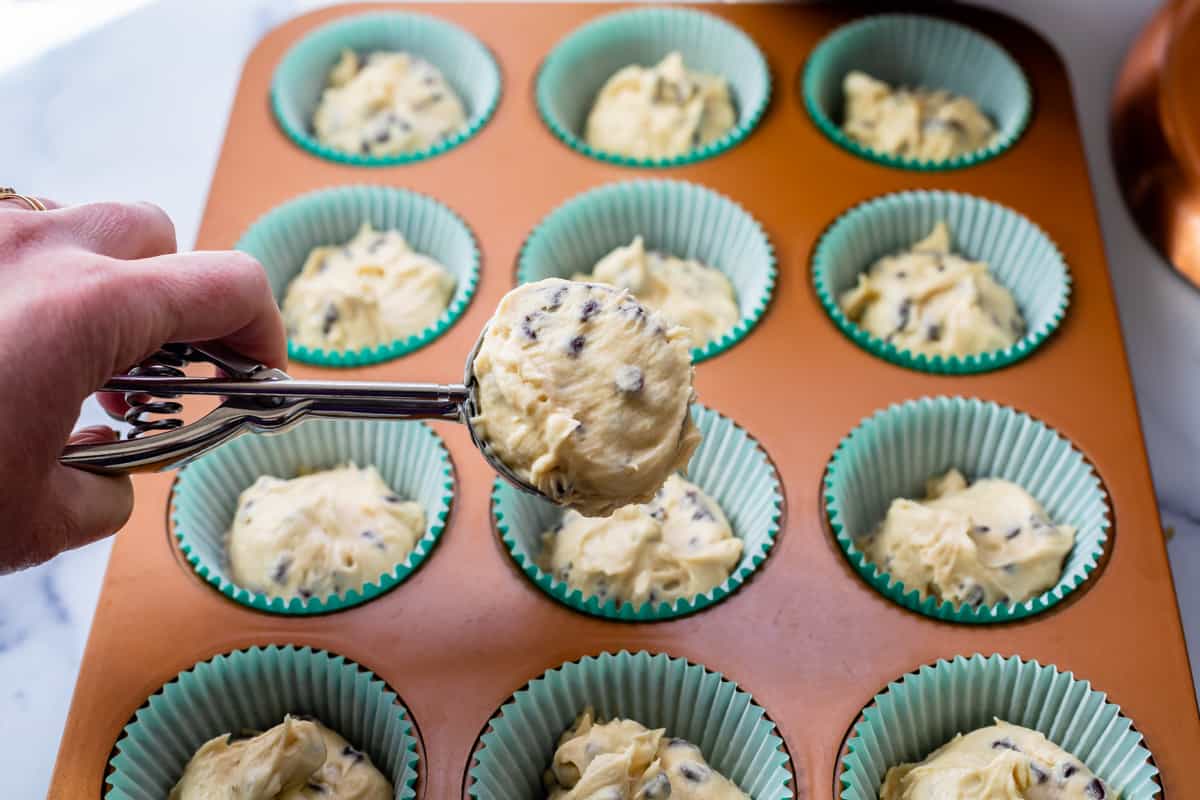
[262, 400]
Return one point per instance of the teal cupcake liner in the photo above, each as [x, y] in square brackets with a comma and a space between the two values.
[254, 689]
[729, 465]
[675, 217]
[918, 51]
[282, 238]
[734, 733]
[579, 66]
[893, 453]
[923, 710]
[1019, 254]
[463, 60]
[409, 455]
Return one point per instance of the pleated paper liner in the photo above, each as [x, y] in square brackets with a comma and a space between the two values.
[910, 50]
[463, 60]
[734, 733]
[1019, 254]
[578, 67]
[893, 453]
[409, 455]
[729, 465]
[254, 689]
[282, 239]
[678, 218]
[923, 710]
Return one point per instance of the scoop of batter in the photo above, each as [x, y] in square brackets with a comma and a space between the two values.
[585, 394]
[623, 760]
[691, 294]
[370, 291]
[999, 762]
[677, 545]
[660, 111]
[986, 543]
[928, 300]
[297, 759]
[913, 123]
[393, 102]
[320, 534]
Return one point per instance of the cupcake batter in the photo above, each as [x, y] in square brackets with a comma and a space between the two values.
[928, 300]
[986, 543]
[585, 394]
[623, 760]
[691, 294]
[298, 759]
[320, 534]
[913, 123]
[677, 545]
[660, 111]
[372, 290]
[999, 762]
[392, 103]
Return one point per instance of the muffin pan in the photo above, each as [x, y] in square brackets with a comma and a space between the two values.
[810, 640]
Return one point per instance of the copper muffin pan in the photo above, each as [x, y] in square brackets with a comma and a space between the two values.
[806, 635]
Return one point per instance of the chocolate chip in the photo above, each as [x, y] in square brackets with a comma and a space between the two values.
[696, 773]
[694, 542]
[429, 80]
[657, 788]
[1011, 568]
[575, 346]
[1095, 790]
[555, 298]
[903, 313]
[632, 310]
[305, 594]
[933, 333]
[280, 573]
[630, 379]
[528, 323]
[1038, 773]
[319, 788]
[653, 597]
[330, 319]
[941, 263]
[1069, 770]
[374, 538]
[589, 310]
[392, 498]
[383, 135]
[659, 514]
[1012, 534]
[974, 597]
[1005, 744]
[901, 274]
[1002, 598]
[351, 753]
[980, 529]
[377, 243]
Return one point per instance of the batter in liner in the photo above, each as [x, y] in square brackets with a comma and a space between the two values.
[999, 762]
[298, 759]
[585, 394]
[623, 760]
[986, 543]
[913, 123]
[677, 545]
[385, 104]
[372, 290]
[691, 294]
[660, 111]
[320, 534]
[928, 300]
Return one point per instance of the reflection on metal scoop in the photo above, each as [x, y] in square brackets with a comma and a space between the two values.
[262, 400]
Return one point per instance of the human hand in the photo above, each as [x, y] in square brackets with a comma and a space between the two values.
[89, 291]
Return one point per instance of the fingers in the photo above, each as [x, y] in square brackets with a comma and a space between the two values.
[113, 404]
[93, 434]
[198, 297]
[118, 230]
[15, 204]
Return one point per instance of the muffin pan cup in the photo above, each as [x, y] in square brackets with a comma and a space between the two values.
[921, 711]
[410, 457]
[578, 67]
[733, 732]
[282, 239]
[253, 689]
[893, 453]
[1020, 256]
[806, 635]
[464, 61]
[916, 51]
[677, 218]
[729, 465]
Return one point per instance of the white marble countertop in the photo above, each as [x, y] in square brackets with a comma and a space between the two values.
[137, 110]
